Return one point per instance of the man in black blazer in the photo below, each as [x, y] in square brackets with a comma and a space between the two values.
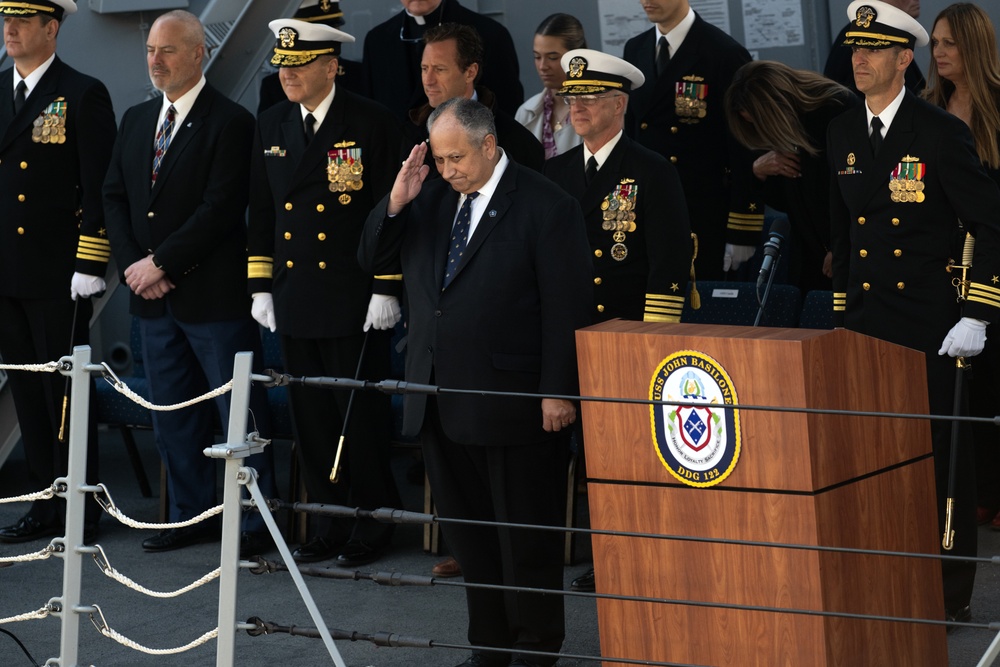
[907, 185]
[688, 64]
[176, 197]
[56, 132]
[391, 62]
[320, 161]
[497, 278]
[450, 67]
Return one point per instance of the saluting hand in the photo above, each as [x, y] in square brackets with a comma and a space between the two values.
[409, 180]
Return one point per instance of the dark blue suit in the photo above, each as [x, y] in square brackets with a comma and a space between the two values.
[193, 220]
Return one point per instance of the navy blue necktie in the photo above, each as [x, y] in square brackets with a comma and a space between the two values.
[459, 238]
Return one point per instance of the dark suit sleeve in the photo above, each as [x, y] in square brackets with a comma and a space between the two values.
[500, 72]
[126, 249]
[976, 199]
[225, 191]
[95, 139]
[668, 239]
[565, 284]
[260, 229]
[381, 240]
[385, 151]
[840, 231]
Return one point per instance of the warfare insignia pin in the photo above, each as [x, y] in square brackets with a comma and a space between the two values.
[699, 442]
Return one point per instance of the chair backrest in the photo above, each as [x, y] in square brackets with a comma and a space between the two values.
[817, 310]
[735, 303]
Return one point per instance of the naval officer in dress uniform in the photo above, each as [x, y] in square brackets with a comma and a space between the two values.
[57, 129]
[321, 160]
[904, 174]
[631, 197]
[688, 64]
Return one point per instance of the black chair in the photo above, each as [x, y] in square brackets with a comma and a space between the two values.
[118, 411]
[735, 303]
[817, 310]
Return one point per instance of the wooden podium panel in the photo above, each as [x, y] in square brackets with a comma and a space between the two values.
[822, 480]
[770, 367]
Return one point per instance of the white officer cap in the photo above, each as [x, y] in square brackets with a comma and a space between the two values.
[879, 25]
[300, 42]
[589, 72]
[57, 9]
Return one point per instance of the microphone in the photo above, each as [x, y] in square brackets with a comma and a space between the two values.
[772, 249]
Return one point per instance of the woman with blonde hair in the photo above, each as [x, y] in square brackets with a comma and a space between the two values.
[544, 114]
[965, 80]
[784, 113]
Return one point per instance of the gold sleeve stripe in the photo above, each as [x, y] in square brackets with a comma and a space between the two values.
[93, 258]
[988, 300]
[392, 276]
[653, 317]
[664, 297]
[260, 267]
[97, 240]
[745, 216]
[989, 289]
[97, 249]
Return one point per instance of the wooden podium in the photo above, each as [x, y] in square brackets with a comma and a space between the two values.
[812, 479]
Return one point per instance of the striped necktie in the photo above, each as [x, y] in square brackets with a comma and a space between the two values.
[163, 137]
[459, 238]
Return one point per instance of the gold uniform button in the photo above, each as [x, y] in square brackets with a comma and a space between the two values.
[321, 236]
[863, 252]
[20, 198]
[322, 265]
[288, 236]
[150, 215]
[866, 286]
[320, 208]
[643, 126]
[598, 253]
[895, 222]
[673, 130]
[900, 285]
[20, 230]
[288, 206]
[897, 252]
[861, 220]
[600, 308]
[24, 165]
[673, 158]
[597, 281]
[289, 263]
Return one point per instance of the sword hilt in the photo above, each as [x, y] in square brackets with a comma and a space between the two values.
[948, 539]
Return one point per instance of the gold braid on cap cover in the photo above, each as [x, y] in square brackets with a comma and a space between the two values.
[19, 8]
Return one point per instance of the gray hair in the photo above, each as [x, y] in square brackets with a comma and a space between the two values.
[194, 31]
[475, 119]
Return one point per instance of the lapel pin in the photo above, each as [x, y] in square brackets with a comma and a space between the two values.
[493, 213]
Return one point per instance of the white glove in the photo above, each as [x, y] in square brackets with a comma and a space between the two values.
[383, 312]
[736, 255]
[84, 285]
[263, 310]
[966, 338]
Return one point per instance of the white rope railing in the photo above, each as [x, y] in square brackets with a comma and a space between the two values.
[46, 494]
[47, 367]
[112, 509]
[103, 627]
[126, 391]
[101, 559]
[41, 554]
[29, 616]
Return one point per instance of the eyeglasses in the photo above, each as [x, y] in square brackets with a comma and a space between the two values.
[418, 40]
[586, 100]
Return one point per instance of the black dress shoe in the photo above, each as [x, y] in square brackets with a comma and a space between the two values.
[178, 538]
[26, 529]
[356, 552]
[315, 550]
[963, 615]
[254, 543]
[484, 660]
[584, 583]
